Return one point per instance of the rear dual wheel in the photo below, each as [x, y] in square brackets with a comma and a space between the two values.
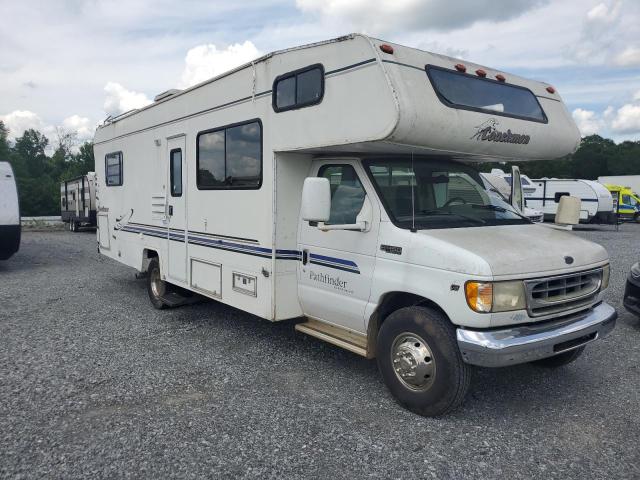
[420, 362]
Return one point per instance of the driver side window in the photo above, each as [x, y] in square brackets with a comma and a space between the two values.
[347, 193]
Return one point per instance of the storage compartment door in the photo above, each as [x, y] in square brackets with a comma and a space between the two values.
[103, 232]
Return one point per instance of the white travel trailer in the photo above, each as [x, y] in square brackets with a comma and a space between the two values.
[9, 212]
[78, 201]
[321, 183]
[596, 201]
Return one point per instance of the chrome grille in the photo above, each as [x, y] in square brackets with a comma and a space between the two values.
[563, 292]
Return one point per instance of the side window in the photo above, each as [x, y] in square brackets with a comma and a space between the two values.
[230, 157]
[175, 172]
[626, 199]
[113, 169]
[298, 89]
[347, 193]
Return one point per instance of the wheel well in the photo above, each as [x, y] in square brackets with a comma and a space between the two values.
[147, 255]
[391, 302]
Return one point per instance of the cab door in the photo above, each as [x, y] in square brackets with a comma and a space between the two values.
[176, 210]
[336, 271]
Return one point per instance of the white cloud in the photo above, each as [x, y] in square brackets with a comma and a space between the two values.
[627, 119]
[20, 120]
[392, 15]
[587, 121]
[603, 13]
[629, 57]
[81, 125]
[120, 100]
[207, 61]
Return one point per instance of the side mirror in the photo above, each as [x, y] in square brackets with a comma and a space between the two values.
[568, 211]
[517, 197]
[316, 199]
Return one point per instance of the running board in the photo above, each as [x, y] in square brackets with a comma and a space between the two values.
[341, 337]
[174, 299]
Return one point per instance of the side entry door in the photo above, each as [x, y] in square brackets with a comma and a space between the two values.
[335, 274]
[177, 210]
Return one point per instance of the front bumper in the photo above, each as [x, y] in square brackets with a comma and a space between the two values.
[526, 343]
[632, 295]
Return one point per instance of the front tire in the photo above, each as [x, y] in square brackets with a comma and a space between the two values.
[156, 287]
[420, 362]
[561, 359]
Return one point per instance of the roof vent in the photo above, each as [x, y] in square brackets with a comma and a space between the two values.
[165, 95]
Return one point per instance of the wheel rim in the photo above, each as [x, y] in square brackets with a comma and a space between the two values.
[157, 284]
[413, 362]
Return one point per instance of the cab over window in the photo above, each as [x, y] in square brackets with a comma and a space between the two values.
[298, 89]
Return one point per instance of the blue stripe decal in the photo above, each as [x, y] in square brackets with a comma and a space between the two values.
[203, 240]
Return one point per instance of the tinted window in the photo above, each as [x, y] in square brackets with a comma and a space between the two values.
[309, 86]
[299, 89]
[230, 157]
[347, 194]
[286, 92]
[176, 172]
[465, 91]
[211, 168]
[113, 169]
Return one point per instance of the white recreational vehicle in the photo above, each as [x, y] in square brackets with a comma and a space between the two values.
[323, 183]
[78, 201]
[9, 212]
[596, 203]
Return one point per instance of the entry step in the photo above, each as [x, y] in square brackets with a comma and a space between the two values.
[341, 337]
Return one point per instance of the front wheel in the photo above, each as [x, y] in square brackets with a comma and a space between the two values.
[420, 362]
[636, 217]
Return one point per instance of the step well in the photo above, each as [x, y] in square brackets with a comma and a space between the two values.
[341, 337]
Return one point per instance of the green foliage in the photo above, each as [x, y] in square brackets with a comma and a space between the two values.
[595, 157]
[39, 175]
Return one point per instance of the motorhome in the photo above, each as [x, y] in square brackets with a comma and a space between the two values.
[321, 183]
[9, 212]
[78, 202]
[626, 202]
[497, 184]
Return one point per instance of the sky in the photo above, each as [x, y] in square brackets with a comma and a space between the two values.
[70, 63]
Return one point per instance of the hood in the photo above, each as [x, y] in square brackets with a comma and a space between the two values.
[519, 250]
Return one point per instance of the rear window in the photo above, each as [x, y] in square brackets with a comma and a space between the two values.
[459, 90]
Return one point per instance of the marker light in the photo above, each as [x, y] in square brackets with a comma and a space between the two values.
[500, 77]
[481, 73]
[460, 67]
[550, 89]
[386, 48]
[484, 297]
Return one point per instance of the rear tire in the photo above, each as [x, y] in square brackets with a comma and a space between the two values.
[419, 359]
[156, 287]
[561, 359]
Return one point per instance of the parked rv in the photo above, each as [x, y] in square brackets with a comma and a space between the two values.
[78, 202]
[324, 183]
[632, 182]
[9, 212]
[626, 202]
[497, 184]
[544, 194]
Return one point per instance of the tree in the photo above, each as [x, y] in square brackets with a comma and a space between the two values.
[4, 142]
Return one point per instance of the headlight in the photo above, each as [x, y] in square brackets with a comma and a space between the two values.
[485, 297]
[635, 270]
[606, 273]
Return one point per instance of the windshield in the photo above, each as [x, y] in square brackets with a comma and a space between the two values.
[437, 194]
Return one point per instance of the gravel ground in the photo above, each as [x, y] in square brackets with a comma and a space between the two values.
[96, 383]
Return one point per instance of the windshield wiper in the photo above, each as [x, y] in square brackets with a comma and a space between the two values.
[497, 208]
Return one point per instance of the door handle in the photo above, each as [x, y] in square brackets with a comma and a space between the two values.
[305, 256]
[170, 210]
